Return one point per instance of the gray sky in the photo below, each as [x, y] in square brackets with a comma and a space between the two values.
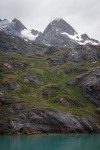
[83, 15]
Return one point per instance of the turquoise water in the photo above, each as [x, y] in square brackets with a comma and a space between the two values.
[52, 142]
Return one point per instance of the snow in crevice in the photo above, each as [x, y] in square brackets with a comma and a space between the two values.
[26, 33]
[79, 40]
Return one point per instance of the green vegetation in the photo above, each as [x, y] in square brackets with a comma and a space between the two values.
[43, 96]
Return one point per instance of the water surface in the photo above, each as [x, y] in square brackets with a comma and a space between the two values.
[51, 142]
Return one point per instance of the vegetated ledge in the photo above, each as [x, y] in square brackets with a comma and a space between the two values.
[48, 121]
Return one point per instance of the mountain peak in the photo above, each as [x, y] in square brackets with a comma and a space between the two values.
[18, 25]
[58, 20]
[60, 33]
[15, 19]
[62, 26]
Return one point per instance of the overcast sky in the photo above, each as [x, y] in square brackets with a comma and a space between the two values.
[83, 15]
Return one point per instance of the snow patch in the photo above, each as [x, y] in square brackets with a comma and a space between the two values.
[27, 34]
[75, 37]
[88, 42]
[79, 40]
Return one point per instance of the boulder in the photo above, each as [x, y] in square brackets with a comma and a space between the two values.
[73, 69]
[57, 60]
[32, 79]
[15, 65]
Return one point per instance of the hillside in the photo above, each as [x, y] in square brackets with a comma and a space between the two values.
[39, 92]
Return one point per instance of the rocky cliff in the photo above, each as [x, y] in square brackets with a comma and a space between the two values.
[90, 85]
[47, 121]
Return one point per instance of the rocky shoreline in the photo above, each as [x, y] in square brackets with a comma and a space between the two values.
[48, 121]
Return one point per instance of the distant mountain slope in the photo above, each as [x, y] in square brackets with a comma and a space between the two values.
[57, 33]
[60, 33]
[17, 28]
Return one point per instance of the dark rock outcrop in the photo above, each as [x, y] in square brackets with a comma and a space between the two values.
[47, 121]
[18, 26]
[8, 87]
[85, 53]
[58, 59]
[90, 85]
[14, 45]
[51, 50]
[7, 100]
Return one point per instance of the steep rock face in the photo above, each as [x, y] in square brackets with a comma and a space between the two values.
[47, 121]
[90, 85]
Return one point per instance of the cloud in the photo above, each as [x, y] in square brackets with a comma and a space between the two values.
[84, 15]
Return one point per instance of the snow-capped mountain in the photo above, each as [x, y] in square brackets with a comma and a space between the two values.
[17, 28]
[57, 33]
[14, 28]
[60, 33]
